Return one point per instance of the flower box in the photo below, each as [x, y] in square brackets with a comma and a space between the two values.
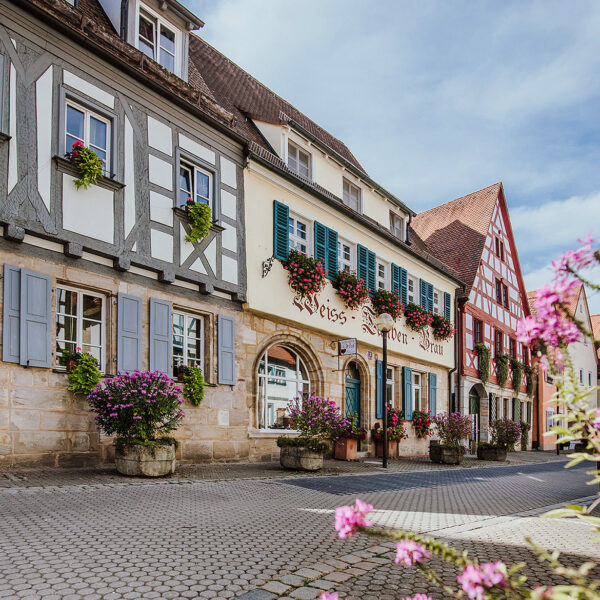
[392, 449]
[346, 449]
[489, 452]
[300, 458]
[146, 461]
[445, 455]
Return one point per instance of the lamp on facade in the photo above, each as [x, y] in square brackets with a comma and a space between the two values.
[385, 323]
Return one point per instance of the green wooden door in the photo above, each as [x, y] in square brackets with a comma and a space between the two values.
[352, 402]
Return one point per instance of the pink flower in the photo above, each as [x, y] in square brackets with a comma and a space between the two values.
[418, 597]
[348, 518]
[596, 422]
[475, 579]
[409, 552]
[328, 596]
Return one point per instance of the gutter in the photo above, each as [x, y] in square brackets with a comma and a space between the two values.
[337, 204]
[460, 302]
[81, 38]
[349, 165]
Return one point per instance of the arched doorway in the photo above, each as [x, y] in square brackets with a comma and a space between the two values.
[352, 393]
[475, 412]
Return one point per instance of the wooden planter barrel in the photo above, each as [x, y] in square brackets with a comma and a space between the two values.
[392, 449]
[346, 449]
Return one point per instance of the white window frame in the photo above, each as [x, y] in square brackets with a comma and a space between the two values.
[411, 295]
[436, 301]
[262, 420]
[194, 169]
[390, 384]
[294, 238]
[199, 362]
[396, 219]
[86, 130]
[345, 264]
[295, 149]
[159, 23]
[421, 387]
[346, 197]
[79, 323]
[383, 275]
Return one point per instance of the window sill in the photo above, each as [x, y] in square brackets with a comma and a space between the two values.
[65, 166]
[180, 212]
[271, 433]
[4, 137]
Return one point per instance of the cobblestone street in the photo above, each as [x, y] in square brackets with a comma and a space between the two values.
[90, 534]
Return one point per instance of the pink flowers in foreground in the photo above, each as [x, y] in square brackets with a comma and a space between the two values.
[328, 596]
[596, 422]
[418, 597]
[409, 552]
[475, 579]
[348, 518]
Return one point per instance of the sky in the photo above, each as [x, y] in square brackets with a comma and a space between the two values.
[438, 99]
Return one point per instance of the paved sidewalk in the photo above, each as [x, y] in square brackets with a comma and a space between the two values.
[107, 475]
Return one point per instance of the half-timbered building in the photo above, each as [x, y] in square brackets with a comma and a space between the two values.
[473, 234]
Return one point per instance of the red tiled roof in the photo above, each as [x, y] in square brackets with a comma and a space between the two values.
[240, 93]
[456, 231]
[596, 331]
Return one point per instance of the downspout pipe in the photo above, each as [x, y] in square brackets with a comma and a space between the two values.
[458, 344]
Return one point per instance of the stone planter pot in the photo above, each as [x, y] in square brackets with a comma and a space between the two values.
[392, 449]
[346, 448]
[445, 455]
[491, 453]
[145, 461]
[300, 458]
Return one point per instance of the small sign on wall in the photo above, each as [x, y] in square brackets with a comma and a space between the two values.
[346, 347]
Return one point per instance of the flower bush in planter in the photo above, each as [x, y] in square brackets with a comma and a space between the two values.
[452, 428]
[442, 327]
[352, 290]
[505, 433]
[350, 429]
[141, 407]
[525, 427]
[417, 317]
[88, 163]
[200, 217]
[384, 301]
[421, 421]
[306, 275]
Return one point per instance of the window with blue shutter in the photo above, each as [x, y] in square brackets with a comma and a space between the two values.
[367, 267]
[447, 306]
[423, 292]
[161, 326]
[129, 333]
[281, 243]
[321, 243]
[433, 393]
[362, 263]
[407, 393]
[379, 389]
[395, 278]
[400, 283]
[226, 350]
[11, 333]
[27, 317]
[430, 297]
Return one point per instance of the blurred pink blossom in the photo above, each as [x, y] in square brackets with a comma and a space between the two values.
[348, 518]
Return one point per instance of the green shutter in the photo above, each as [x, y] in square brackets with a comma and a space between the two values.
[403, 286]
[332, 253]
[321, 243]
[407, 393]
[529, 412]
[395, 278]
[433, 393]
[281, 239]
[430, 297]
[515, 409]
[379, 389]
[361, 263]
[447, 306]
[371, 271]
[423, 292]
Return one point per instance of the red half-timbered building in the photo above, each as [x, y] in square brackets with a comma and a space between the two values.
[473, 234]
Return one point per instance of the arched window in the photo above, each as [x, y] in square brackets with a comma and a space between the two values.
[282, 376]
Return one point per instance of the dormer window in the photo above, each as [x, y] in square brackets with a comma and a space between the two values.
[397, 225]
[298, 160]
[157, 40]
[351, 195]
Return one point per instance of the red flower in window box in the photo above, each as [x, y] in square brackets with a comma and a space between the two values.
[306, 275]
[417, 317]
[442, 327]
[387, 302]
[351, 289]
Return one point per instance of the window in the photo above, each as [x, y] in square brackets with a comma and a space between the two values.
[195, 183]
[581, 376]
[505, 408]
[418, 401]
[351, 195]
[498, 345]
[397, 225]
[92, 130]
[525, 351]
[505, 295]
[512, 345]
[188, 342]
[282, 376]
[344, 256]
[478, 331]
[436, 302]
[389, 386]
[589, 380]
[499, 248]
[156, 40]
[382, 276]
[549, 418]
[298, 231]
[298, 160]
[498, 291]
[80, 323]
[411, 287]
